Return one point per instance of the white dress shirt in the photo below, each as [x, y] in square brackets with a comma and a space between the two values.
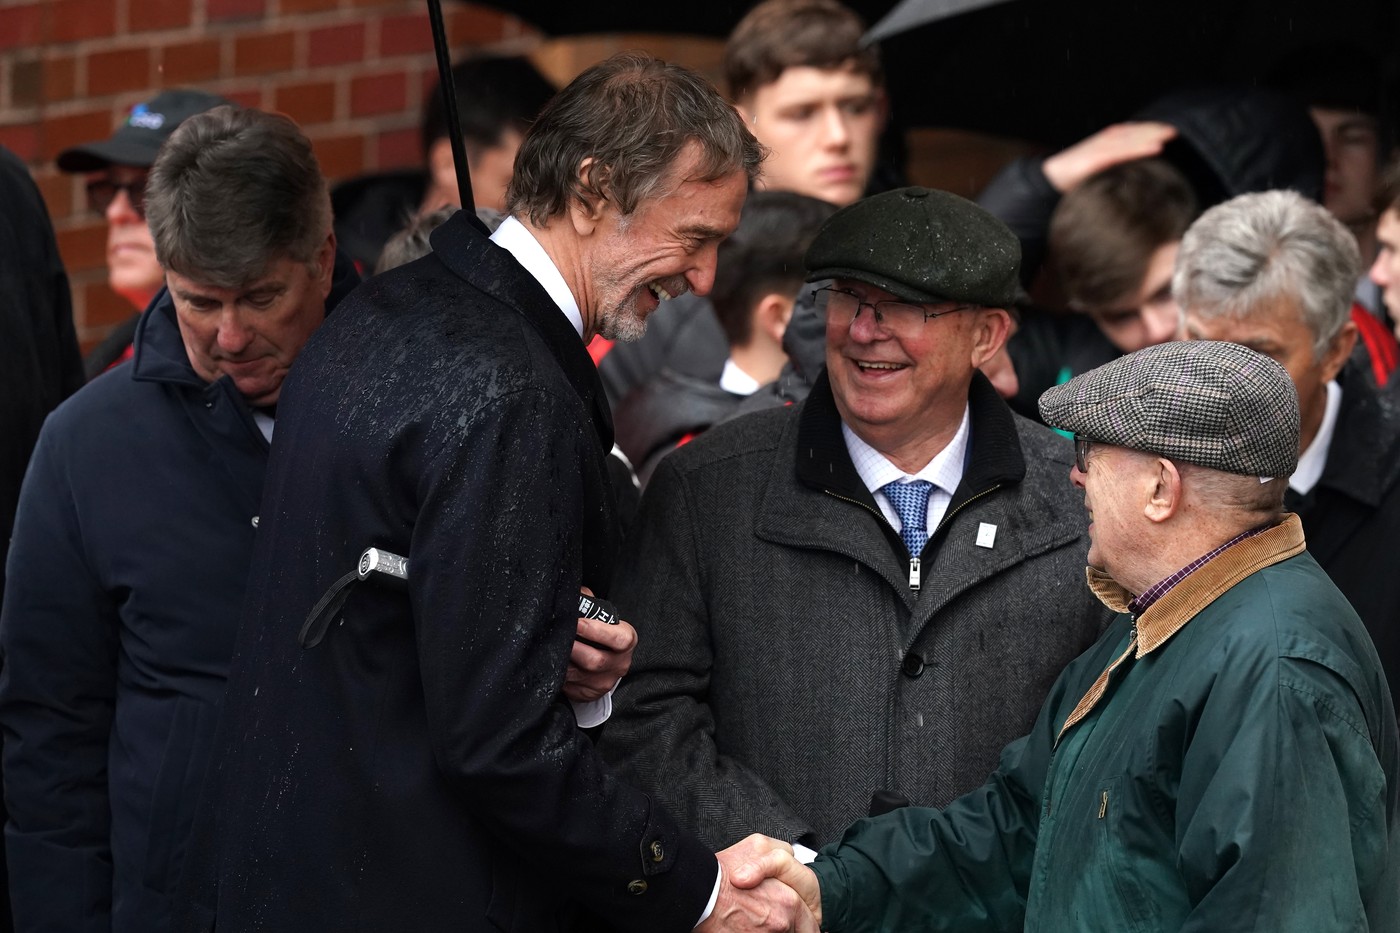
[1312, 461]
[735, 380]
[944, 471]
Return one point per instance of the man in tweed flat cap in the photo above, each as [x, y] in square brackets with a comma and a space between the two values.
[1224, 758]
[857, 601]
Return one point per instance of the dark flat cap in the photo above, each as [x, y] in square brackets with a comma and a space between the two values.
[140, 136]
[920, 245]
[1214, 404]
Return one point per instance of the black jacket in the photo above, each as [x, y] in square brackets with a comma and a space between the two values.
[127, 573]
[419, 769]
[665, 411]
[1352, 516]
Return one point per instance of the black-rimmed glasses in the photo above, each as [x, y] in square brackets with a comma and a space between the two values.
[1081, 452]
[897, 317]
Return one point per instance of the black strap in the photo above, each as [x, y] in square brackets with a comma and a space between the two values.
[319, 621]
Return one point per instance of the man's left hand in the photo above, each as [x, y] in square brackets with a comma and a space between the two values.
[602, 655]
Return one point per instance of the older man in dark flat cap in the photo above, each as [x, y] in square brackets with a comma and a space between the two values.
[857, 601]
[1224, 758]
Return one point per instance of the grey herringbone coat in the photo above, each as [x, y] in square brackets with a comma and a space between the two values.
[786, 671]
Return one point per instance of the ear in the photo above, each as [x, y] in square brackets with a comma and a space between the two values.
[440, 164]
[771, 316]
[1164, 490]
[325, 265]
[1339, 351]
[991, 329]
[586, 211]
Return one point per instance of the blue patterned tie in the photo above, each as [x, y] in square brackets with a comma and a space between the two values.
[910, 501]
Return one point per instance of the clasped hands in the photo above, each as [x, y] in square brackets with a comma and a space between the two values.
[764, 889]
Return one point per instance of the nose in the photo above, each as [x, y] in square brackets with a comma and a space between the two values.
[234, 334]
[121, 210]
[1076, 478]
[1380, 270]
[835, 128]
[701, 276]
[1162, 321]
[864, 328]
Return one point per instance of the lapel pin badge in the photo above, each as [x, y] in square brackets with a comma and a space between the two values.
[986, 535]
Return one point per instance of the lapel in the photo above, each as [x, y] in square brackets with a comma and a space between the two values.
[470, 255]
[1361, 463]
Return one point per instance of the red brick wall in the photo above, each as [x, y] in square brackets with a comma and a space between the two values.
[352, 72]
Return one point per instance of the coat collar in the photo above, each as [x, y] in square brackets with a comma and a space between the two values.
[1169, 615]
[465, 250]
[1361, 462]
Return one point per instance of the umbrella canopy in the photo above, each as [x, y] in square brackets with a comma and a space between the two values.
[714, 18]
[1054, 71]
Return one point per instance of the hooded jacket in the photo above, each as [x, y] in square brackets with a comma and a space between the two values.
[127, 572]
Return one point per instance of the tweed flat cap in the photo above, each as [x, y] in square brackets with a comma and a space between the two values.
[1214, 404]
[920, 245]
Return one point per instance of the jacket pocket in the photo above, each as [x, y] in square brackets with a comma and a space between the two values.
[1123, 902]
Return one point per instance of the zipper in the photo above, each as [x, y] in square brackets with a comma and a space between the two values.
[916, 574]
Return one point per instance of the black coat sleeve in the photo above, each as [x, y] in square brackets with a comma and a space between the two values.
[1021, 197]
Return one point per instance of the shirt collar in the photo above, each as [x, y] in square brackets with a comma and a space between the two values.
[1312, 461]
[516, 238]
[945, 470]
[735, 380]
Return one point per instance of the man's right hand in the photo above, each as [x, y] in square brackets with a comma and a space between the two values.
[1113, 145]
[760, 891]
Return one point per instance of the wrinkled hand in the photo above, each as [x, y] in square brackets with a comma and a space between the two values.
[595, 668]
[764, 904]
[1121, 142]
[777, 863]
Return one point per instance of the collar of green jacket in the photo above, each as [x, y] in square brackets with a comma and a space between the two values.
[1169, 615]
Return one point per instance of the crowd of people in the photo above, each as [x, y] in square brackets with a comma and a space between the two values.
[1002, 564]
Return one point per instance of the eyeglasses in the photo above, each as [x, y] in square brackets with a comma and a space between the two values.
[901, 318]
[102, 191]
[1081, 452]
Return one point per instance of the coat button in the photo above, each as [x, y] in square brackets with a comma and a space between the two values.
[913, 664]
[657, 852]
[637, 887]
[255, 521]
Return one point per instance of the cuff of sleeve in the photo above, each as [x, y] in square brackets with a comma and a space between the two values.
[803, 854]
[714, 895]
[594, 712]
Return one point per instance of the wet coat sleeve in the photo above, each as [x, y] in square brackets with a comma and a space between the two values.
[662, 731]
[498, 543]
[58, 633]
[1281, 814]
[1021, 197]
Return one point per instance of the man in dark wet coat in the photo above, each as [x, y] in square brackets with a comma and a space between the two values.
[417, 769]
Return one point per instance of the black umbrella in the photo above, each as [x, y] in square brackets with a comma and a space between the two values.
[1054, 71]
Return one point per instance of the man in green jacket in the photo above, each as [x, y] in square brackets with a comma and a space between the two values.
[1224, 758]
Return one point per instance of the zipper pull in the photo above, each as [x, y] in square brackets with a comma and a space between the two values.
[915, 574]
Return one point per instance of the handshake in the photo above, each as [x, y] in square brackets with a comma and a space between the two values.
[764, 888]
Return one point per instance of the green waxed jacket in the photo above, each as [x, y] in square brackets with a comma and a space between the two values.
[1240, 772]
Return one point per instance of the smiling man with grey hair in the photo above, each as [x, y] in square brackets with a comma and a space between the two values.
[1275, 272]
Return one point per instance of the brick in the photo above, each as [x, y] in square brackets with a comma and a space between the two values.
[21, 26]
[251, 97]
[307, 6]
[73, 20]
[473, 25]
[60, 194]
[221, 11]
[22, 139]
[27, 83]
[337, 45]
[369, 4]
[340, 156]
[307, 103]
[60, 78]
[58, 133]
[118, 70]
[399, 149]
[84, 247]
[152, 15]
[103, 308]
[405, 35]
[264, 53]
[191, 62]
[378, 93]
